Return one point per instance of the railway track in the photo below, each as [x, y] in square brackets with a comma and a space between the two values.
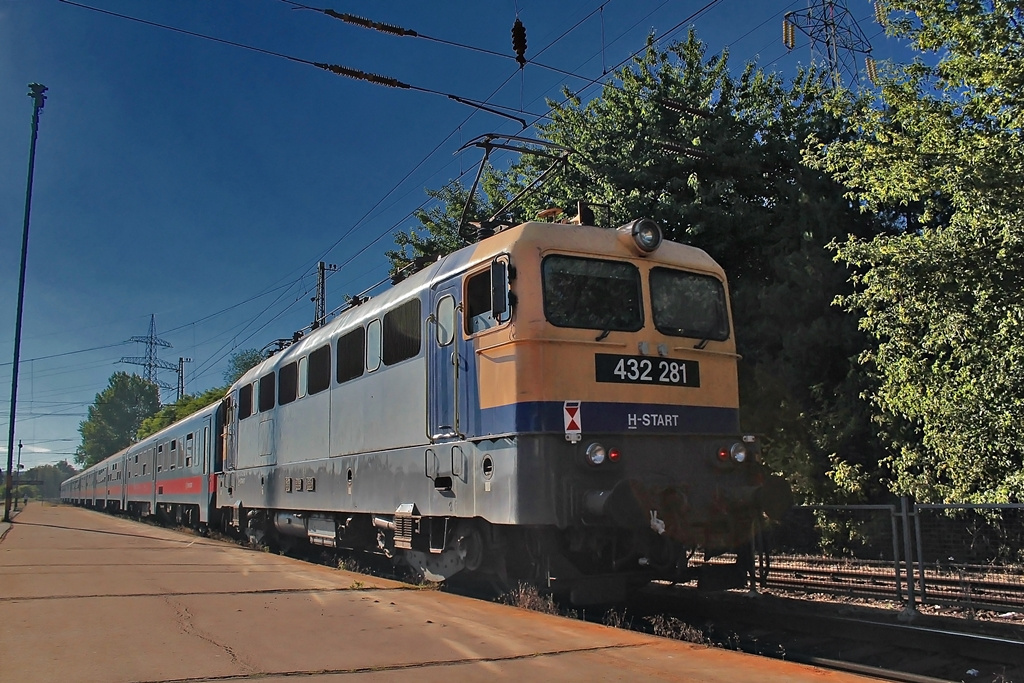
[971, 587]
[870, 641]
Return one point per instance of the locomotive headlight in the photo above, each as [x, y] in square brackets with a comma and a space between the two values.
[595, 454]
[647, 234]
[738, 452]
[644, 233]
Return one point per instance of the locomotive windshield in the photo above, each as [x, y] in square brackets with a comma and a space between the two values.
[592, 294]
[688, 305]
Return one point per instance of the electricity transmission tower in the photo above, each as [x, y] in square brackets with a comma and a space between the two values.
[836, 38]
[151, 362]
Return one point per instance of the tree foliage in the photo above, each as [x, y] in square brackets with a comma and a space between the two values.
[51, 477]
[179, 410]
[114, 418]
[241, 362]
[943, 152]
[439, 225]
[740, 191]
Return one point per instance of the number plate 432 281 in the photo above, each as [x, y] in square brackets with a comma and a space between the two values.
[647, 370]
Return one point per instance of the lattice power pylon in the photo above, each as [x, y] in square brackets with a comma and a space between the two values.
[151, 362]
[836, 38]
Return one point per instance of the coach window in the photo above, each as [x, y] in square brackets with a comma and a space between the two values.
[190, 445]
[373, 345]
[478, 303]
[351, 349]
[174, 453]
[303, 375]
[160, 458]
[287, 383]
[267, 389]
[244, 401]
[402, 333]
[591, 294]
[444, 318]
[319, 370]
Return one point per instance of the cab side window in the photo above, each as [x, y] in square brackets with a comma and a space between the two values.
[478, 303]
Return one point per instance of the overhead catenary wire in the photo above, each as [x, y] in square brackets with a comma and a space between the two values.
[66, 353]
[400, 31]
[337, 69]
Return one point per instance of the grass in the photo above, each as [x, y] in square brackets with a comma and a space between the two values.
[677, 629]
[528, 597]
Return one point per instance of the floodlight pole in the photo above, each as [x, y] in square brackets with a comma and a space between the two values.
[36, 92]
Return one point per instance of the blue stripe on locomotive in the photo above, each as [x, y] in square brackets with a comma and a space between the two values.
[536, 417]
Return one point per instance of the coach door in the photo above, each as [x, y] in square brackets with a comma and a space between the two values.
[125, 474]
[205, 457]
[443, 362]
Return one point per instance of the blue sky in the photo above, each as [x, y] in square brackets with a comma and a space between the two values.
[201, 182]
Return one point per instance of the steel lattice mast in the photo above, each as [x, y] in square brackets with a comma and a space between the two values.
[836, 38]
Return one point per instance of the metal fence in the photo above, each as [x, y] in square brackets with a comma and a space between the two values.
[969, 557]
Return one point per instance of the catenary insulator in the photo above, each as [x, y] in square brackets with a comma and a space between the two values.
[519, 42]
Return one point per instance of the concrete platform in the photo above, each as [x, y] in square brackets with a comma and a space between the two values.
[89, 597]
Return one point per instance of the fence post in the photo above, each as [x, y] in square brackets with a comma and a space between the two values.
[920, 551]
[896, 552]
[910, 611]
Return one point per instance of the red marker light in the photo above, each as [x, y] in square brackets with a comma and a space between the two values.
[723, 454]
[614, 455]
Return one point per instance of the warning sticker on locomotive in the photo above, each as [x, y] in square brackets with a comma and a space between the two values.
[612, 367]
[573, 421]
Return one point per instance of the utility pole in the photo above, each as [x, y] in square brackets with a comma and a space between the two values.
[320, 300]
[17, 473]
[37, 93]
[181, 375]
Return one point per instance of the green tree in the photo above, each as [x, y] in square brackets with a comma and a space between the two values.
[179, 410]
[716, 159]
[241, 362]
[114, 418]
[51, 477]
[439, 230]
[941, 297]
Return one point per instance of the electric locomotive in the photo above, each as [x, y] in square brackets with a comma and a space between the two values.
[557, 403]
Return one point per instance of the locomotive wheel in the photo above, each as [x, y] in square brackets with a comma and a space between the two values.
[470, 544]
